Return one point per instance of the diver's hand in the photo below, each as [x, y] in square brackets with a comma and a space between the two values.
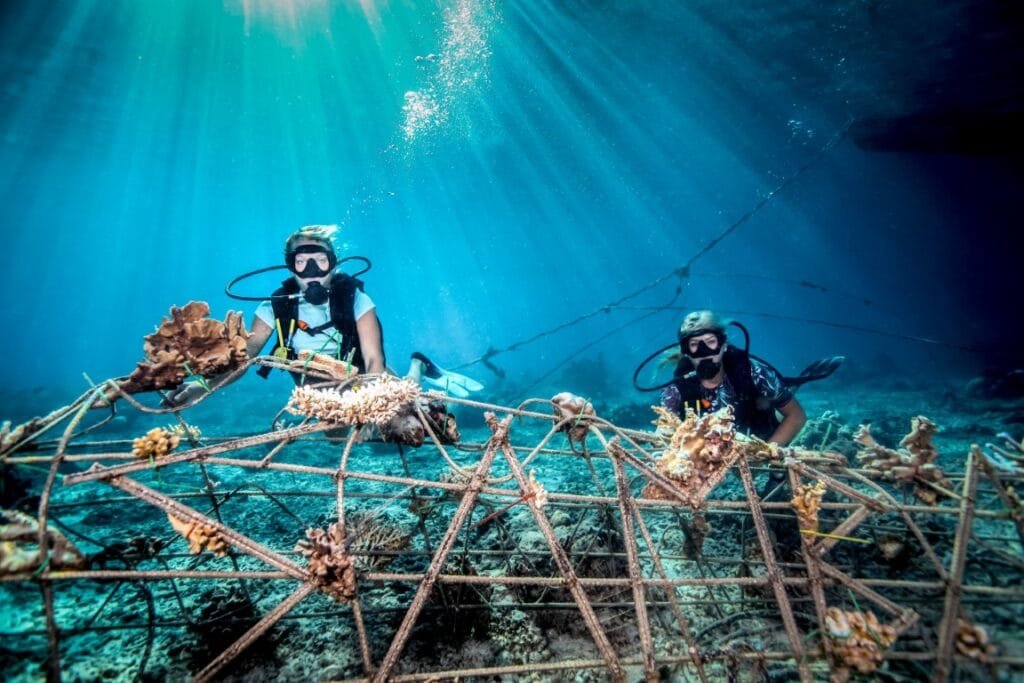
[186, 393]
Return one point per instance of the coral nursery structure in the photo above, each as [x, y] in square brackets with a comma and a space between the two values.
[542, 544]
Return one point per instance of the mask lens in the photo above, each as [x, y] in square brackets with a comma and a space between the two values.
[703, 346]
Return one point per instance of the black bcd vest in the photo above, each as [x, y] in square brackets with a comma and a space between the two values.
[342, 298]
[753, 412]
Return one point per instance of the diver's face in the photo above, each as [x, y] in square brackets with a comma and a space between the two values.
[312, 266]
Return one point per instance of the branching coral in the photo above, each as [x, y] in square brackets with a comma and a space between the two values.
[807, 502]
[972, 641]
[155, 443]
[189, 343]
[19, 534]
[576, 409]
[698, 453]
[371, 535]
[1009, 457]
[330, 561]
[184, 431]
[859, 641]
[913, 464]
[200, 536]
[374, 403]
[12, 436]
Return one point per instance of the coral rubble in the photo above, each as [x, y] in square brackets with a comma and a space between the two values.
[330, 561]
[376, 402]
[913, 463]
[155, 443]
[859, 641]
[200, 536]
[189, 343]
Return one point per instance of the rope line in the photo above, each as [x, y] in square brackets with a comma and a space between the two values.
[681, 272]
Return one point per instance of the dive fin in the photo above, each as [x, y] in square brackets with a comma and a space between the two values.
[819, 369]
[448, 381]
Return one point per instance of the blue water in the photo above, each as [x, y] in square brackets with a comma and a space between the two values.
[507, 167]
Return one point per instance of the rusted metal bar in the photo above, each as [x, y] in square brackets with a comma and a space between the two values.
[252, 635]
[673, 599]
[240, 541]
[774, 574]
[364, 642]
[472, 490]
[951, 605]
[639, 597]
[812, 560]
[52, 635]
[997, 483]
[835, 484]
[911, 524]
[860, 587]
[572, 582]
[97, 473]
[845, 528]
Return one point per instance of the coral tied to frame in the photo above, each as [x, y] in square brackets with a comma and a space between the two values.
[374, 403]
[698, 453]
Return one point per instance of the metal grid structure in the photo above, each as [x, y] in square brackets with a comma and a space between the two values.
[588, 551]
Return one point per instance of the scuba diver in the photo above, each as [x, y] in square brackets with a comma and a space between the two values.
[712, 373]
[325, 311]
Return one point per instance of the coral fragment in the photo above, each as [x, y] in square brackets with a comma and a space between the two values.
[200, 536]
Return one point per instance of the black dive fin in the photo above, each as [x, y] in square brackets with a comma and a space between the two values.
[819, 369]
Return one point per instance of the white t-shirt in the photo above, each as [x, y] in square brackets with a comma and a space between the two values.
[327, 341]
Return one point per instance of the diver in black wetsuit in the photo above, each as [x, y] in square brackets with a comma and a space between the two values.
[713, 374]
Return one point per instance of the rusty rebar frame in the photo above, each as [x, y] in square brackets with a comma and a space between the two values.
[817, 575]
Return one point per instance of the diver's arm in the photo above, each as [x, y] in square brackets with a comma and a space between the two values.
[370, 343]
[259, 333]
[793, 419]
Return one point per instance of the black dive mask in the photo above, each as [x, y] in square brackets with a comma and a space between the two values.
[707, 368]
[315, 293]
[703, 350]
[312, 269]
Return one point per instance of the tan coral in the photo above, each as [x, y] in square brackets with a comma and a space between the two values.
[972, 642]
[698, 453]
[19, 552]
[155, 443]
[200, 536]
[913, 464]
[536, 492]
[807, 502]
[318, 362]
[188, 337]
[859, 641]
[330, 562]
[576, 410]
[376, 402]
